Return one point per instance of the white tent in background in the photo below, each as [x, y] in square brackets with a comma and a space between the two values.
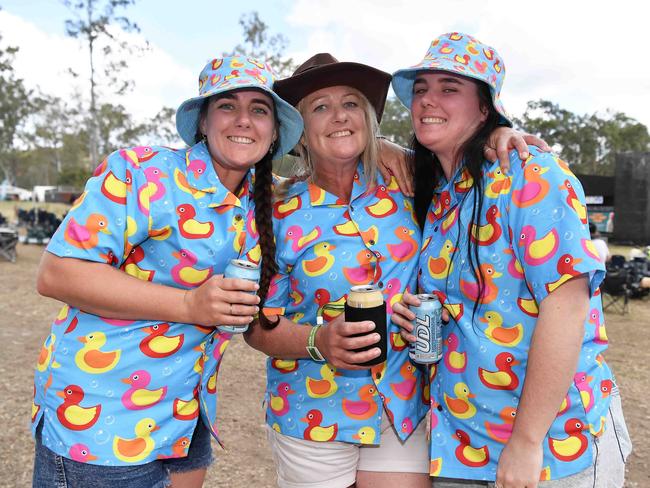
[10, 192]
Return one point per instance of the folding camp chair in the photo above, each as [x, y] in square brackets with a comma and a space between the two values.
[616, 290]
[8, 241]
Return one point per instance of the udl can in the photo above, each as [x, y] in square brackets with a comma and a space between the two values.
[366, 302]
[427, 329]
[240, 268]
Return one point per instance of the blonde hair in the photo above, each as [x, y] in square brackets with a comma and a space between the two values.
[304, 168]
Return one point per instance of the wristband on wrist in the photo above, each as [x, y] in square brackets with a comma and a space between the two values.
[312, 350]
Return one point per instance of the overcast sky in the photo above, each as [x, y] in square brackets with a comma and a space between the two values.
[586, 56]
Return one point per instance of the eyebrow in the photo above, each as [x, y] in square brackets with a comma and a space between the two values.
[353, 94]
[448, 79]
[231, 96]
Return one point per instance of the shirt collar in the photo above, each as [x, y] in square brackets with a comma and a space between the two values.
[201, 177]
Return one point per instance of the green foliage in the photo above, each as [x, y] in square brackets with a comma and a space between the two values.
[259, 44]
[587, 142]
[73, 176]
[396, 123]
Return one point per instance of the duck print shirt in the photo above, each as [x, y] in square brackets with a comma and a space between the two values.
[532, 237]
[121, 392]
[325, 246]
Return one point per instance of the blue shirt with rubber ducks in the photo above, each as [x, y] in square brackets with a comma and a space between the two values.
[325, 246]
[532, 237]
[123, 392]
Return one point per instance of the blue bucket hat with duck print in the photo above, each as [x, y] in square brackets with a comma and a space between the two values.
[463, 55]
[235, 73]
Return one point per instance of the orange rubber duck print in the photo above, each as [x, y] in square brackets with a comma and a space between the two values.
[503, 378]
[284, 366]
[189, 227]
[582, 381]
[365, 272]
[86, 236]
[468, 455]
[72, 415]
[393, 293]
[385, 206]
[81, 453]
[534, 190]
[574, 202]
[435, 467]
[323, 261]
[489, 292]
[497, 333]
[325, 386]
[565, 268]
[502, 432]
[600, 336]
[157, 344]
[90, 359]
[362, 409]
[131, 265]
[499, 184]
[574, 445]
[538, 251]
[138, 397]
[187, 409]
[138, 448]
[316, 194]
[327, 308]
[404, 390]
[490, 232]
[300, 241]
[116, 190]
[442, 266]
[315, 431]
[184, 273]
[350, 229]
[460, 406]
[284, 209]
[407, 248]
[45, 356]
[279, 404]
[179, 449]
[455, 361]
[365, 435]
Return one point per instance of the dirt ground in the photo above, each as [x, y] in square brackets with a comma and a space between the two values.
[24, 323]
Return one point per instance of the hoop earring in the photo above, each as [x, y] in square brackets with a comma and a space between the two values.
[272, 148]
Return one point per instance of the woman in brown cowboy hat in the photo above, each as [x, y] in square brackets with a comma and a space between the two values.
[331, 420]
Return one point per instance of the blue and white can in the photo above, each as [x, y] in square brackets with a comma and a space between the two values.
[240, 268]
[427, 329]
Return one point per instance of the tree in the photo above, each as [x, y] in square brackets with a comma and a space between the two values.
[92, 23]
[259, 44]
[396, 123]
[15, 107]
[587, 142]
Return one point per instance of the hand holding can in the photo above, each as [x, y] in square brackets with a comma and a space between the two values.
[366, 302]
[427, 329]
[240, 268]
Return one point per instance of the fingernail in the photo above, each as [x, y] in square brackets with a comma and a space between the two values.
[524, 155]
[370, 326]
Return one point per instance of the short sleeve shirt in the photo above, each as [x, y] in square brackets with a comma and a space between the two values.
[325, 246]
[128, 391]
[531, 238]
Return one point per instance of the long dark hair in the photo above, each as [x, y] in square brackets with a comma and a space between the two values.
[262, 197]
[427, 172]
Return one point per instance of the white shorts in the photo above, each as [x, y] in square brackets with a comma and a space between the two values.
[307, 464]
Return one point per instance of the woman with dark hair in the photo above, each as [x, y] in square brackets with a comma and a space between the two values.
[125, 387]
[523, 393]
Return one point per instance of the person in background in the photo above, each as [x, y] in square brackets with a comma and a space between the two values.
[599, 243]
[125, 384]
[523, 392]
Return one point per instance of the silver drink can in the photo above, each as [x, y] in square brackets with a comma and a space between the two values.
[240, 268]
[427, 329]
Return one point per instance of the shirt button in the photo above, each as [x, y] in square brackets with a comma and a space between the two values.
[439, 407]
[378, 375]
[371, 242]
[435, 229]
[238, 217]
[380, 284]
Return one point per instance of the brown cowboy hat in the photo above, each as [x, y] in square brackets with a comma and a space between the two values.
[323, 70]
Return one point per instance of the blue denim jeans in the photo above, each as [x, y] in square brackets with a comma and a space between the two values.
[54, 471]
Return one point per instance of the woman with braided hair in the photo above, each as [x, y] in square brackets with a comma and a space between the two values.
[125, 386]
